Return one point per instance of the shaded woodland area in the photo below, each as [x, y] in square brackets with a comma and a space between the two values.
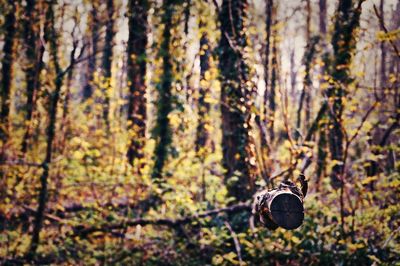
[137, 132]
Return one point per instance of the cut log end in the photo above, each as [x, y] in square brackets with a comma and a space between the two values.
[287, 210]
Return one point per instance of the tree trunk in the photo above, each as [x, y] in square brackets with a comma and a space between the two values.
[202, 135]
[136, 63]
[343, 42]
[271, 94]
[203, 105]
[50, 37]
[34, 50]
[107, 62]
[307, 59]
[5, 85]
[91, 68]
[6, 70]
[305, 96]
[162, 131]
[383, 53]
[268, 11]
[322, 141]
[234, 94]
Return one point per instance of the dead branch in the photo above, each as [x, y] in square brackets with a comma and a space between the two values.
[235, 241]
[173, 223]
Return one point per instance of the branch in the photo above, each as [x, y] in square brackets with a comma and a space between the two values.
[50, 217]
[314, 125]
[363, 120]
[382, 24]
[235, 241]
[216, 6]
[173, 223]
[389, 131]
[20, 162]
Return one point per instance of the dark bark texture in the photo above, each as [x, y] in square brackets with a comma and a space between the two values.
[136, 64]
[234, 95]
[162, 131]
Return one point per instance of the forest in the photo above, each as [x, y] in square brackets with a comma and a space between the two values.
[143, 132]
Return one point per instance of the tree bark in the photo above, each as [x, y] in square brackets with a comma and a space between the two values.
[136, 64]
[383, 52]
[34, 50]
[234, 95]
[305, 96]
[204, 90]
[91, 68]
[5, 85]
[162, 131]
[268, 22]
[307, 59]
[343, 42]
[7, 69]
[50, 37]
[322, 141]
[271, 94]
[107, 62]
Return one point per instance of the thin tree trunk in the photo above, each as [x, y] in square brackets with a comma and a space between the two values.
[136, 63]
[322, 141]
[7, 71]
[203, 105]
[51, 38]
[322, 17]
[91, 68]
[383, 53]
[34, 50]
[308, 56]
[308, 74]
[271, 94]
[293, 73]
[186, 14]
[307, 82]
[268, 11]
[5, 85]
[107, 62]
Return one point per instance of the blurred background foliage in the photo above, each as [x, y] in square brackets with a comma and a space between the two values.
[137, 132]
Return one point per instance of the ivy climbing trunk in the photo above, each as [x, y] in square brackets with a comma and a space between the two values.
[234, 94]
[202, 134]
[204, 90]
[136, 63]
[343, 42]
[162, 130]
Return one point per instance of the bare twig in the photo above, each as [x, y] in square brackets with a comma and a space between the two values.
[363, 120]
[235, 241]
[382, 24]
[216, 6]
[20, 162]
